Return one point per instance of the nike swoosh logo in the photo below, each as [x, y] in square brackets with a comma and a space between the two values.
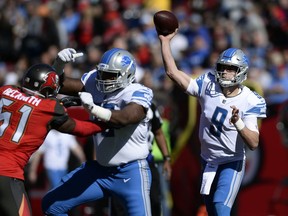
[126, 180]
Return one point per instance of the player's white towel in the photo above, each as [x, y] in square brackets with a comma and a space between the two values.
[208, 177]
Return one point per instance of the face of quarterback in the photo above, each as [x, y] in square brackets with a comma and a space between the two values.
[227, 72]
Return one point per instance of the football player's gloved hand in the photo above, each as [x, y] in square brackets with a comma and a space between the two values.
[99, 112]
[71, 101]
[87, 100]
[65, 56]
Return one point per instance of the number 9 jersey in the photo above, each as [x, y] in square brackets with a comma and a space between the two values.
[220, 141]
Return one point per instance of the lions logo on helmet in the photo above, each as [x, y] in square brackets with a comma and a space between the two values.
[115, 70]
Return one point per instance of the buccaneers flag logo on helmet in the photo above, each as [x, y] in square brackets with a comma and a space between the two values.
[51, 81]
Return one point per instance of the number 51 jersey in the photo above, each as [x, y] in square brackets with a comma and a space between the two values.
[24, 124]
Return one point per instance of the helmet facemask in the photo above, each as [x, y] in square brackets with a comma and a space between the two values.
[116, 72]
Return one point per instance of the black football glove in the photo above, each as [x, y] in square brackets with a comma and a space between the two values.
[71, 101]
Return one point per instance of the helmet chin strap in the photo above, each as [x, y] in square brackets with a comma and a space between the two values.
[110, 87]
[32, 93]
[226, 82]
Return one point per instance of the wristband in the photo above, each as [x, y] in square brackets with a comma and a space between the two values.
[239, 124]
[167, 158]
[101, 113]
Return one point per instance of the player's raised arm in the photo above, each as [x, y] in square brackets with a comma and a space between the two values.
[69, 86]
[179, 77]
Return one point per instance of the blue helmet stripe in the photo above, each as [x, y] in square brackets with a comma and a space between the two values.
[229, 53]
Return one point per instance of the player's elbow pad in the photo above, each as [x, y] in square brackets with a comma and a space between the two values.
[87, 128]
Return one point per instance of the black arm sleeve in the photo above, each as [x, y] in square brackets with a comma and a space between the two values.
[156, 121]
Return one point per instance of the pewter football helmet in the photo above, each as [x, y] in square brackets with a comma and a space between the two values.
[42, 80]
[116, 70]
[232, 57]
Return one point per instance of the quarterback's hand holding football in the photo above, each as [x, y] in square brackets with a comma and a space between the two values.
[99, 112]
[65, 56]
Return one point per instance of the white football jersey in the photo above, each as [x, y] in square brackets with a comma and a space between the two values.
[118, 146]
[56, 150]
[220, 141]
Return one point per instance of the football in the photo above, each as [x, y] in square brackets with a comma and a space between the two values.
[165, 22]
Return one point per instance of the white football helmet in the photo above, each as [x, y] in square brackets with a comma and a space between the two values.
[116, 70]
[232, 57]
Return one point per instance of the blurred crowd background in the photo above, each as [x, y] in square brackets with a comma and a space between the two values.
[33, 31]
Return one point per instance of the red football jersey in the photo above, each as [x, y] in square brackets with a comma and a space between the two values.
[24, 124]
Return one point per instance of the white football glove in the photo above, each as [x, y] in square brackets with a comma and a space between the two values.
[65, 56]
[99, 112]
[87, 100]
[68, 55]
